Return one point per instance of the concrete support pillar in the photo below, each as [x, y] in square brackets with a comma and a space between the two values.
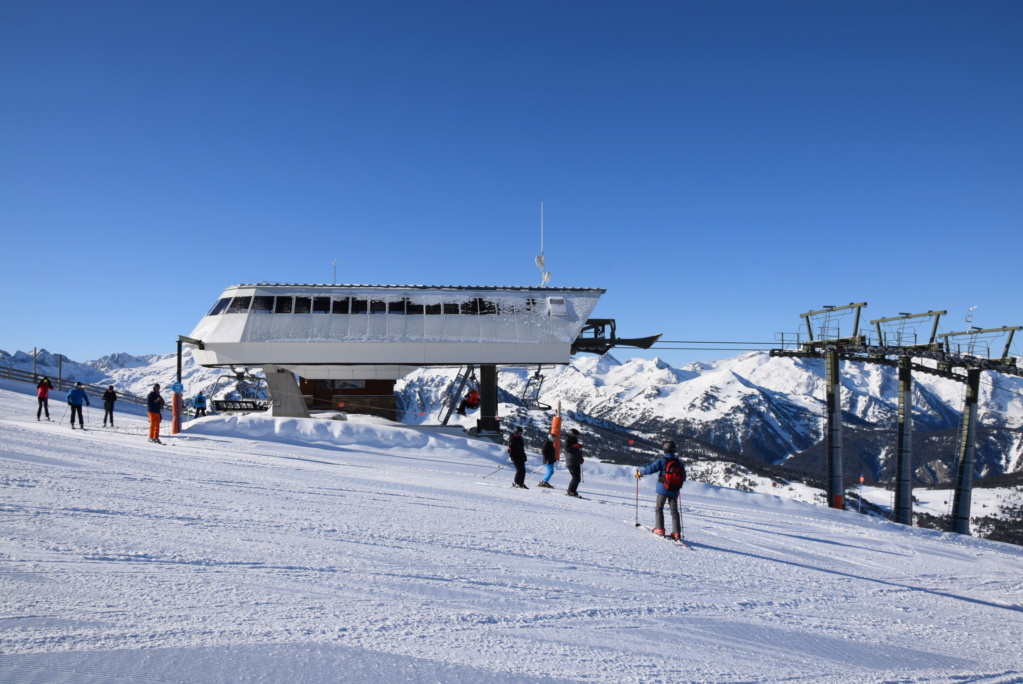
[285, 394]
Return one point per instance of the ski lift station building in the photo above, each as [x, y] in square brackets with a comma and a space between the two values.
[383, 332]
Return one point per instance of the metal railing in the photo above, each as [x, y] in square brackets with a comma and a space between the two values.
[63, 385]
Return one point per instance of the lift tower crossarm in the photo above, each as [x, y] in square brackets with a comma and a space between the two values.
[856, 337]
[1009, 329]
[905, 317]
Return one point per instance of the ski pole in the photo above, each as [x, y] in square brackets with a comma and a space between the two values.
[65, 414]
[637, 502]
[500, 468]
[681, 520]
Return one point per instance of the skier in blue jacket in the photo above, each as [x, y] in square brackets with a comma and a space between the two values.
[671, 474]
[200, 405]
[75, 399]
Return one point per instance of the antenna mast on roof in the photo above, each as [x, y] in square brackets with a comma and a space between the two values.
[545, 275]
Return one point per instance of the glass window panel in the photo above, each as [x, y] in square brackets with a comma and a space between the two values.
[239, 305]
[262, 304]
[321, 305]
[377, 307]
[450, 309]
[360, 306]
[397, 307]
[412, 308]
[219, 307]
[487, 307]
[283, 305]
[471, 307]
[303, 305]
[433, 309]
[341, 305]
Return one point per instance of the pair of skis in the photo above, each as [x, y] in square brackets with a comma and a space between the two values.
[678, 542]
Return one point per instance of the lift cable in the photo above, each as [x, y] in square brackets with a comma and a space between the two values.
[710, 342]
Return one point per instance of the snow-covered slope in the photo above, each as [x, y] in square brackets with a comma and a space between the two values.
[302, 551]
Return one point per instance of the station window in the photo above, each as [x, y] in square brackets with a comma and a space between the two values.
[450, 309]
[432, 309]
[262, 304]
[557, 306]
[471, 307]
[397, 307]
[413, 309]
[283, 305]
[487, 307]
[341, 305]
[303, 305]
[240, 305]
[377, 307]
[321, 305]
[360, 306]
[219, 307]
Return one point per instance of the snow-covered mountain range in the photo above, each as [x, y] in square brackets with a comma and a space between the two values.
[752, 407]
[767, 409]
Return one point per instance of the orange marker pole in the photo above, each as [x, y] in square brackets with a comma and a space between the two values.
[556, 431]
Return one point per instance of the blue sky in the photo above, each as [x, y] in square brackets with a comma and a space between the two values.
[718, 167]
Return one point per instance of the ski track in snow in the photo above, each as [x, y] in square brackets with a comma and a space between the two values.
[278, 550]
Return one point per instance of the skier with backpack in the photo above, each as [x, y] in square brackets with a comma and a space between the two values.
[550, 457]
[574, 462]
[77, 398]
[517, 454]
[671, 476]
[154, 405]
[109, 397]
[43, 392]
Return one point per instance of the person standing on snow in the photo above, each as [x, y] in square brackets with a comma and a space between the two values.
[109, 397]
[75, 399]
[200, 405]
[517, 453]
[573, 461]
[154, 404]
[43, 392]
[671, 476]
[550, 457]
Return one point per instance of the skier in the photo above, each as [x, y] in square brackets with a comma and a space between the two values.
[573, 461]
[154, 405]
[43, 392]
[671, 476]
[75, 398]
[550, 456]
[200, 405]
[109, 397]
[471, 400]
[517, 453]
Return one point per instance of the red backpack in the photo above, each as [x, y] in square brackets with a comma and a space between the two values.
[674, 475]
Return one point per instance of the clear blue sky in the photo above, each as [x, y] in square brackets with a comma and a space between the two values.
[719, 167]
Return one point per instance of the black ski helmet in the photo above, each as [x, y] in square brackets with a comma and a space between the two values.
[669, 447]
